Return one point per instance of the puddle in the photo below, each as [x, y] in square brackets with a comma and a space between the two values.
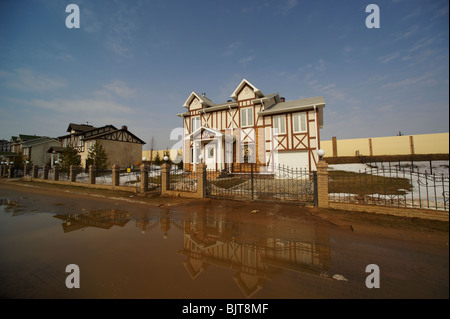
[132, 251]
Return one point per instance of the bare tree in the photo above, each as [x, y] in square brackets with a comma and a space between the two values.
[152, 146]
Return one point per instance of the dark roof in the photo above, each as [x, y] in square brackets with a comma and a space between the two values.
[79, 127]
[25, 138]
[123, 129]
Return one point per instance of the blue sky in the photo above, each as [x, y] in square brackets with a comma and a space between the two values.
[134, 63]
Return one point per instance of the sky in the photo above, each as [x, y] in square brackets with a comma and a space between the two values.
[135, 63]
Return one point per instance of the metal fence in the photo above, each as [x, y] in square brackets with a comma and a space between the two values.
[182, 180]
[251, 181]
[390, 187]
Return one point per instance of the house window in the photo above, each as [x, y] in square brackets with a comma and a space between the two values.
[247, 116]
[279, 124]
[195, 123]
[299, 121]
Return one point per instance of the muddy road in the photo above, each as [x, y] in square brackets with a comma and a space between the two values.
[126, 246]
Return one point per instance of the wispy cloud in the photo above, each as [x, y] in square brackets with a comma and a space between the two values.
[246, 60]
[120, 89]
[288, 6]
[29, 81]
[426, 79]
[388, 57]
[232, 47]
[89, 107]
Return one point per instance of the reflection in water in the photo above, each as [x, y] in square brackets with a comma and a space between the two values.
[254, 259]
[11, 206]
[254, 252]
[102, 218]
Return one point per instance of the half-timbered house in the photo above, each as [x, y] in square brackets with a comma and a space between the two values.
[251, 128]
[121, 146]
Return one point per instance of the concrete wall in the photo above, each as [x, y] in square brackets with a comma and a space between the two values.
[392, 145]
[122, 153]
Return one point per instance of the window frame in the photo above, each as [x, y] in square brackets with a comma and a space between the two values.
[194, 119]
[301, 117]
[246, 109]
[277, 119]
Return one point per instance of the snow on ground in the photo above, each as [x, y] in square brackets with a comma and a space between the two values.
[428, 190]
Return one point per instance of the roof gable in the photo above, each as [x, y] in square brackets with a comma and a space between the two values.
[241, 85]
[202, 98]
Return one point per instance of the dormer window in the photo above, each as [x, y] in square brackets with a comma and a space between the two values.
[247, 116]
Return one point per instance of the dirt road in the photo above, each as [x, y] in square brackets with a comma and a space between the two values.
[131, 246]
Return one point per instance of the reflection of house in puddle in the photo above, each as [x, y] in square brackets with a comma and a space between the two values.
[102, 218]
[253, 258]
[146, 224]
[10, 206]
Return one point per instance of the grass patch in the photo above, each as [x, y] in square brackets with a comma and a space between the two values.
[364, 184]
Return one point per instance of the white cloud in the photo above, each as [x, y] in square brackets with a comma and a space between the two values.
[232, 48]
[424, 80]
[29, 81]
[388, 57]
[246, 60]
[288, 6]
[120, 89]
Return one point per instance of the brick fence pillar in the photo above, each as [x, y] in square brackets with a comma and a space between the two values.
[92, 173]
[45, 172]
[144, 178]
[72, 173]
[201, 180]
[165, 177]
[35, 171]
[115, 175]
[322, 184]
[55, 174]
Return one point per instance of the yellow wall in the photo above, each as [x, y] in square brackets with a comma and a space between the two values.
[392, 145]
[173, 154]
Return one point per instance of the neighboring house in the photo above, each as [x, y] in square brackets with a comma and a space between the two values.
[6, 154]
[121, 146]
[251, 128]
[35, 150]
[33, 147]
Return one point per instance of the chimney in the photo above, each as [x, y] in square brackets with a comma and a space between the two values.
[203, 94]
[124, 127]
[282, 99]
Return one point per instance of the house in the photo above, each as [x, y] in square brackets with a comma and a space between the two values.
[6, 154]
[121, 146]
[252, 127]
[33, 147]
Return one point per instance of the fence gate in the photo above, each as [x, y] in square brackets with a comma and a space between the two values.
[252, 181]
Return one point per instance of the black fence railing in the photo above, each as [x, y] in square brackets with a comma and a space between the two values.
[390, 187]
[181, 180]
[252, 181]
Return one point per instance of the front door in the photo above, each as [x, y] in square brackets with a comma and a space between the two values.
[210, 155]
